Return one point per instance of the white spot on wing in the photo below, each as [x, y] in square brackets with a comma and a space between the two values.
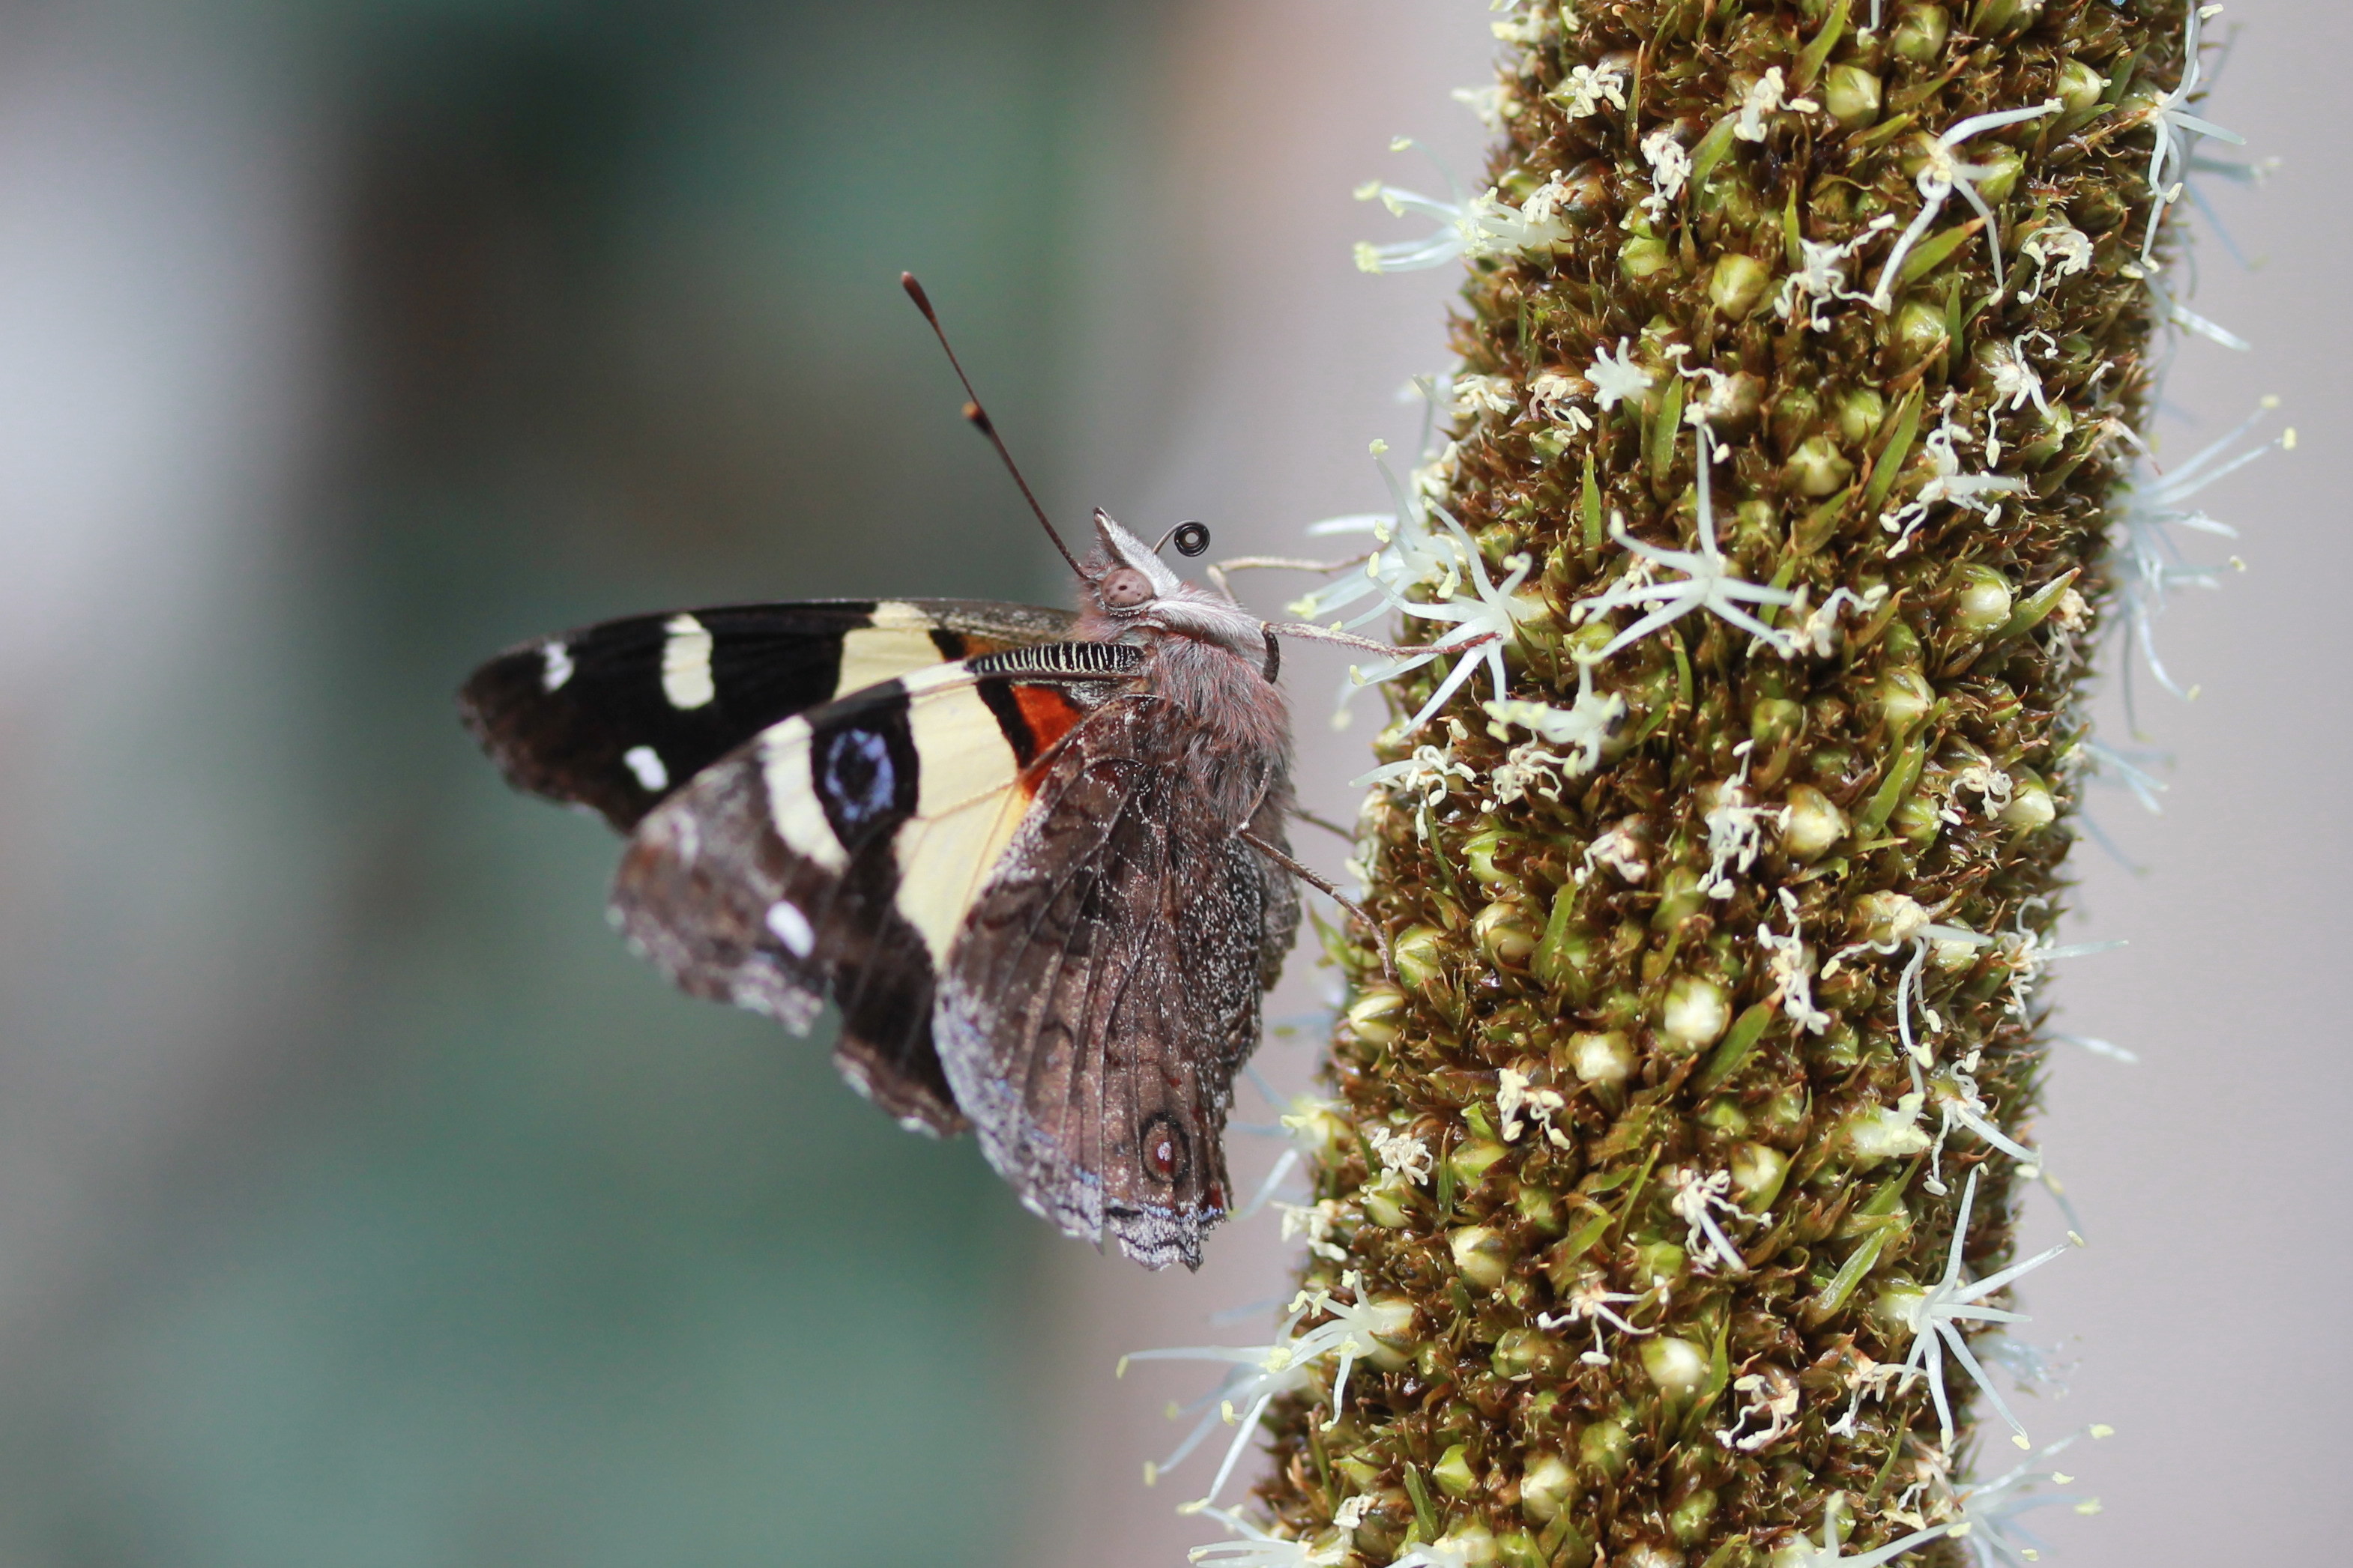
[554, 665]
[647, 763]
[686, 663]
[792, 928]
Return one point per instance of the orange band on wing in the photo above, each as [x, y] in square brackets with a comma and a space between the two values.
[1032, 716]
[1048, 714]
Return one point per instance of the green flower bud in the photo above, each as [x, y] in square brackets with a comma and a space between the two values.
[1886, 919]
[2032, 806]
[1784, 1115]
[1901, 643]
[1775, 720]
[1547, 1487]
[1999, 19]
[1661, 1261]
[1953, 957]
[1605, 1446]
[1479, 852]
[2102, 207]
[1392, 1333]
[1606, 1058]
[1879, 1133]
[1919, 332]
[2079, 86]
[1643, 254]
[1893, 1306]
[1385, 1202]
[1919, 35]
[2057, 426]
[1564, 955]
[1817, 468]
[1453, 1473]
[1758, 1173]
[1539, 1208]
[1694, 1015]
[1688, 1521]
[1722, 1114]
[1676, 1367]
[1481, 1256]
[1680, 898]
[1851, 95]
[1902, 697]
[1915, 821]
[1471, 1160]
[1981, 599]
[1860, 410]
[1518, 1549]
[1419, 953]
[1525, 1352]
[1373, 1016]
[2003, 165]
[1738, 283]
[1814, 824]
[1503, 935]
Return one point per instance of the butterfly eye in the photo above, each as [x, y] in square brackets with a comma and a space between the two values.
[1125, 589]
[1191, 539]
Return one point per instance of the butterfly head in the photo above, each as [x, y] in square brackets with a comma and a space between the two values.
[1133, 589]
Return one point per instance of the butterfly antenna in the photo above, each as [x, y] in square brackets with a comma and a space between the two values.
[980, 417]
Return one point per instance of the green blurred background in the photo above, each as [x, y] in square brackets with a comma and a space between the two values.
[449, 1234]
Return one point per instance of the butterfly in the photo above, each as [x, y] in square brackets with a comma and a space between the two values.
[1037, 858]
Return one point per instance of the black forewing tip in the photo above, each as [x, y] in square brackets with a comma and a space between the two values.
[539, 744]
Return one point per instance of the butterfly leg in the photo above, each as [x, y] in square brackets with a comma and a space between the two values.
[1389, 964]
[1325, 823]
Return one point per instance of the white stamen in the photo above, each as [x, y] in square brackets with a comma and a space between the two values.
[1763, 98]
[1944, 174]
[1586, 89]
[1617, 380]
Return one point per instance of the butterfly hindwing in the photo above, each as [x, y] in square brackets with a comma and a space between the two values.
[1106, 988]
[836, 853]
[618, 716]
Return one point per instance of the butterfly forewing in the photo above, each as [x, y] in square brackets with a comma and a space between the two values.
[618, 716]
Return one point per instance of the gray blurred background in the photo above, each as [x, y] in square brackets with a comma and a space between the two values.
[361, 1203]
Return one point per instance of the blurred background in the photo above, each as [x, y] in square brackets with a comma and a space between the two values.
[363, 1202]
